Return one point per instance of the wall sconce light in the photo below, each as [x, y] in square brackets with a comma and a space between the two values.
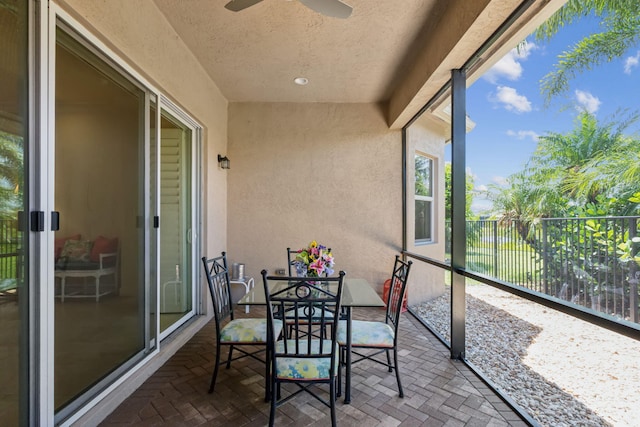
[224, 162]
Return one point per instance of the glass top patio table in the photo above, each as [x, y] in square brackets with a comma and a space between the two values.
[356, 293]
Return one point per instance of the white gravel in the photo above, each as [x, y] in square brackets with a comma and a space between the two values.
[561, 370]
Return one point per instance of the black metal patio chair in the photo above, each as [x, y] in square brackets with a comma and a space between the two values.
[377, 337]
[237, 334]
[301, 358]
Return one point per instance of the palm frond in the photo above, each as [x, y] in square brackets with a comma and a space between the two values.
[589, 52]
[621, 30]
[574, 10]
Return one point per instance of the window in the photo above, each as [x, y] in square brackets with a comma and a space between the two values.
[423, 199]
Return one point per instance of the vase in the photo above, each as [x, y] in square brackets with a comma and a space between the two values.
[301, 269]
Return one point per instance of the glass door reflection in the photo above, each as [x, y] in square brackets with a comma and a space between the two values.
[14, 333]
[99, 192]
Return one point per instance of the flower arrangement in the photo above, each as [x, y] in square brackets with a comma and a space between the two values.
[314, 260]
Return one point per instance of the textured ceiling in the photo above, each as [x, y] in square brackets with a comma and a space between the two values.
[254, 55]
[399, 53]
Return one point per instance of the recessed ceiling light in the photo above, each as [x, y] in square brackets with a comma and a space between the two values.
[301, 81]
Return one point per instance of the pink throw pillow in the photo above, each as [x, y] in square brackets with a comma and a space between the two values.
[103, 245]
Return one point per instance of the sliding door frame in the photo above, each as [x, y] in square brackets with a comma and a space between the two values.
[44, 19]
[195, 221]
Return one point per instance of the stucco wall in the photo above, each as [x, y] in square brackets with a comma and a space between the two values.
[426, 136]
[329, 172]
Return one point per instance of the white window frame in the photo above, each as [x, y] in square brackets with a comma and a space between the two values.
[430, 199]
[196, 135]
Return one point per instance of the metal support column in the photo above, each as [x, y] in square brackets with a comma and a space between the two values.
[458, 200]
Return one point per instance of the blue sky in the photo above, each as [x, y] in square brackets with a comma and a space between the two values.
[509, 112]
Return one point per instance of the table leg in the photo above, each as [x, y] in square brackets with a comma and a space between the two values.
[248, 285]
[347, 382]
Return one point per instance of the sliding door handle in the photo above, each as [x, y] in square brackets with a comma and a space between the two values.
[55, 221]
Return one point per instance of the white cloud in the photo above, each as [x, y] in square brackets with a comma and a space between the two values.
[500, 180]
[522, 134]
[512, 100]
[631, 62]
[481, 205]
[526, 49]
[587, 101]
[509, 66]
[470, 173]
[482, 188]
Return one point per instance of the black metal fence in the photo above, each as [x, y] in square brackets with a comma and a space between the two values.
[592, 261]
[9, 243]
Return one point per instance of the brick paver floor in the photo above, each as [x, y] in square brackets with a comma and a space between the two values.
[438, 391]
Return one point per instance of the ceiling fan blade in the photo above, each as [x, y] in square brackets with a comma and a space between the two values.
[238, 5]
[334, 8]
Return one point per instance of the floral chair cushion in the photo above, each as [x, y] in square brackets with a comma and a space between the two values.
[244, 331]
[366, 334]
[299, 368]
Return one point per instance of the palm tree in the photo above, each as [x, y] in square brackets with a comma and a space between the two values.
[524, 200]
[621, 21]
[593, 161]
[11, 174]
[620, 170]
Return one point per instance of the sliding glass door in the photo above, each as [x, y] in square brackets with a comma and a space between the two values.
[14, 296]
[124, 193]
[176, 221]
[113, 168]
[100, 275]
